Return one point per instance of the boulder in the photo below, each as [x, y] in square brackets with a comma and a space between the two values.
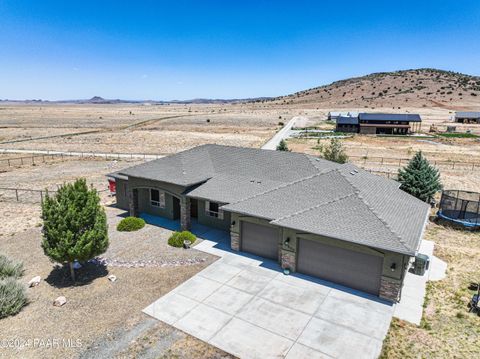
[60, 301]
[34, 281]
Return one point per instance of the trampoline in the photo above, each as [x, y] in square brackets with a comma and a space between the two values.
[461, 208]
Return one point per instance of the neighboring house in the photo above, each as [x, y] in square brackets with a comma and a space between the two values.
[380, 123]
[347, 124]
[336, 222]
[467, 117]
[333, 116]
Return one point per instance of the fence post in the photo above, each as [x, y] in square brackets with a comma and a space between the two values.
[21, 160]
[16, 194]
[8, 161]
[41, 196]
[453, 165]
[33, 160]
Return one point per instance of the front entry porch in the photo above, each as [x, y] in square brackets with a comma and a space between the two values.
[220, 237]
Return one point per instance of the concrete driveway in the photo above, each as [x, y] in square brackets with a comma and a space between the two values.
[246, 306]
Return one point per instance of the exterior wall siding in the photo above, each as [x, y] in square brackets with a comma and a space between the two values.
[205, 219]
[121, 194]
[171, 210]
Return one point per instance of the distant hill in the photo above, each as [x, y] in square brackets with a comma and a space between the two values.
[407, 88]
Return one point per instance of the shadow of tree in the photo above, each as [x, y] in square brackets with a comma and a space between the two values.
[59, 277]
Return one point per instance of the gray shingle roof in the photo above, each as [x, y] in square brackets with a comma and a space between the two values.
[402, 117]
[347, 120]
[298, 191]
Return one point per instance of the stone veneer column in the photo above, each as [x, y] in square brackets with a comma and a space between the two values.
[234, 241]
[185, 219]
[133, 202]
[390, 289]
[288, 260]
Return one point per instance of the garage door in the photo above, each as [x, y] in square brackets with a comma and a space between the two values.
[352, 269]
[260, 240]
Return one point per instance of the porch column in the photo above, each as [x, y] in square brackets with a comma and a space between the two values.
[133, 202]
[185, 213]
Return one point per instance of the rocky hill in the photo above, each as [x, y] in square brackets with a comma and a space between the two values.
[407, 88]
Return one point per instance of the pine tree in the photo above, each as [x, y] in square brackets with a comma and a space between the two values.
[74, 224]
[282, 146]
[420, 178]
[334, 152]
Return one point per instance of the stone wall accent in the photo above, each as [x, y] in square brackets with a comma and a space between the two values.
[133, 202]
[288, 260]
[235, 241]
[390, 289]
[185, 219]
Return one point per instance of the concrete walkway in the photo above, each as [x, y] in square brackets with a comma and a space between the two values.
[246, 306]
[410, 307]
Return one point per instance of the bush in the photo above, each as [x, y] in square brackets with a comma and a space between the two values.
[10, 268]
[130, 224]
[13, 297]
[177, 238]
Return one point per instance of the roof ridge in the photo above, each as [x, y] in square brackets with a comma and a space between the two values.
[283, 185]
[364, 201]
[312, 207]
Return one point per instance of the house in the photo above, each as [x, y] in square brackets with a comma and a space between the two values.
[389, 123]
[379, 123]
[333, 116]
[328, 220]
[467, 117]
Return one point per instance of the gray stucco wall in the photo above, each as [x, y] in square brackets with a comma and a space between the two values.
[205, 219]
[143, 185]
[121, 193]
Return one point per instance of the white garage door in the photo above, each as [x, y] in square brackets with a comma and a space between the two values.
[259, 240]
[353, 269]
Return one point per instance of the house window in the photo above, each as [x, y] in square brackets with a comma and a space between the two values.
[212, 209]
[157, 198]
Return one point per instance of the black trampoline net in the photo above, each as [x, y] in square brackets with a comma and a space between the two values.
[461, 206]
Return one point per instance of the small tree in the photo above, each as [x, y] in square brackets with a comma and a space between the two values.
[74, 224]
[420, 178]
[282, 146]
[334, 151]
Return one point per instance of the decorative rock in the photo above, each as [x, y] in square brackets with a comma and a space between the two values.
[77, 265]
[112, 278]
[60, 301]
[34, 281]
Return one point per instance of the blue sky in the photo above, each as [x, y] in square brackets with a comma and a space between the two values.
[219, 49]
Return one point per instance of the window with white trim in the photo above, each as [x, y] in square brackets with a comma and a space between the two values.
[212, 209]
[157, 198]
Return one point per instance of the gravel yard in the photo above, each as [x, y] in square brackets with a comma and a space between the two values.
[102, 316]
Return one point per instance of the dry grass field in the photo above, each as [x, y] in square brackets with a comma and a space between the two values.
[447, 329]
[132, 128]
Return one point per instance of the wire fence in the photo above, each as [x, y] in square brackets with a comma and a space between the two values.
[45, 157]
[25, 195]
[400, 162]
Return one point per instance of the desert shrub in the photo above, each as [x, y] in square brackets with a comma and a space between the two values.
[10, 268]
[130, 224]
[13, 297]
[177, 238]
